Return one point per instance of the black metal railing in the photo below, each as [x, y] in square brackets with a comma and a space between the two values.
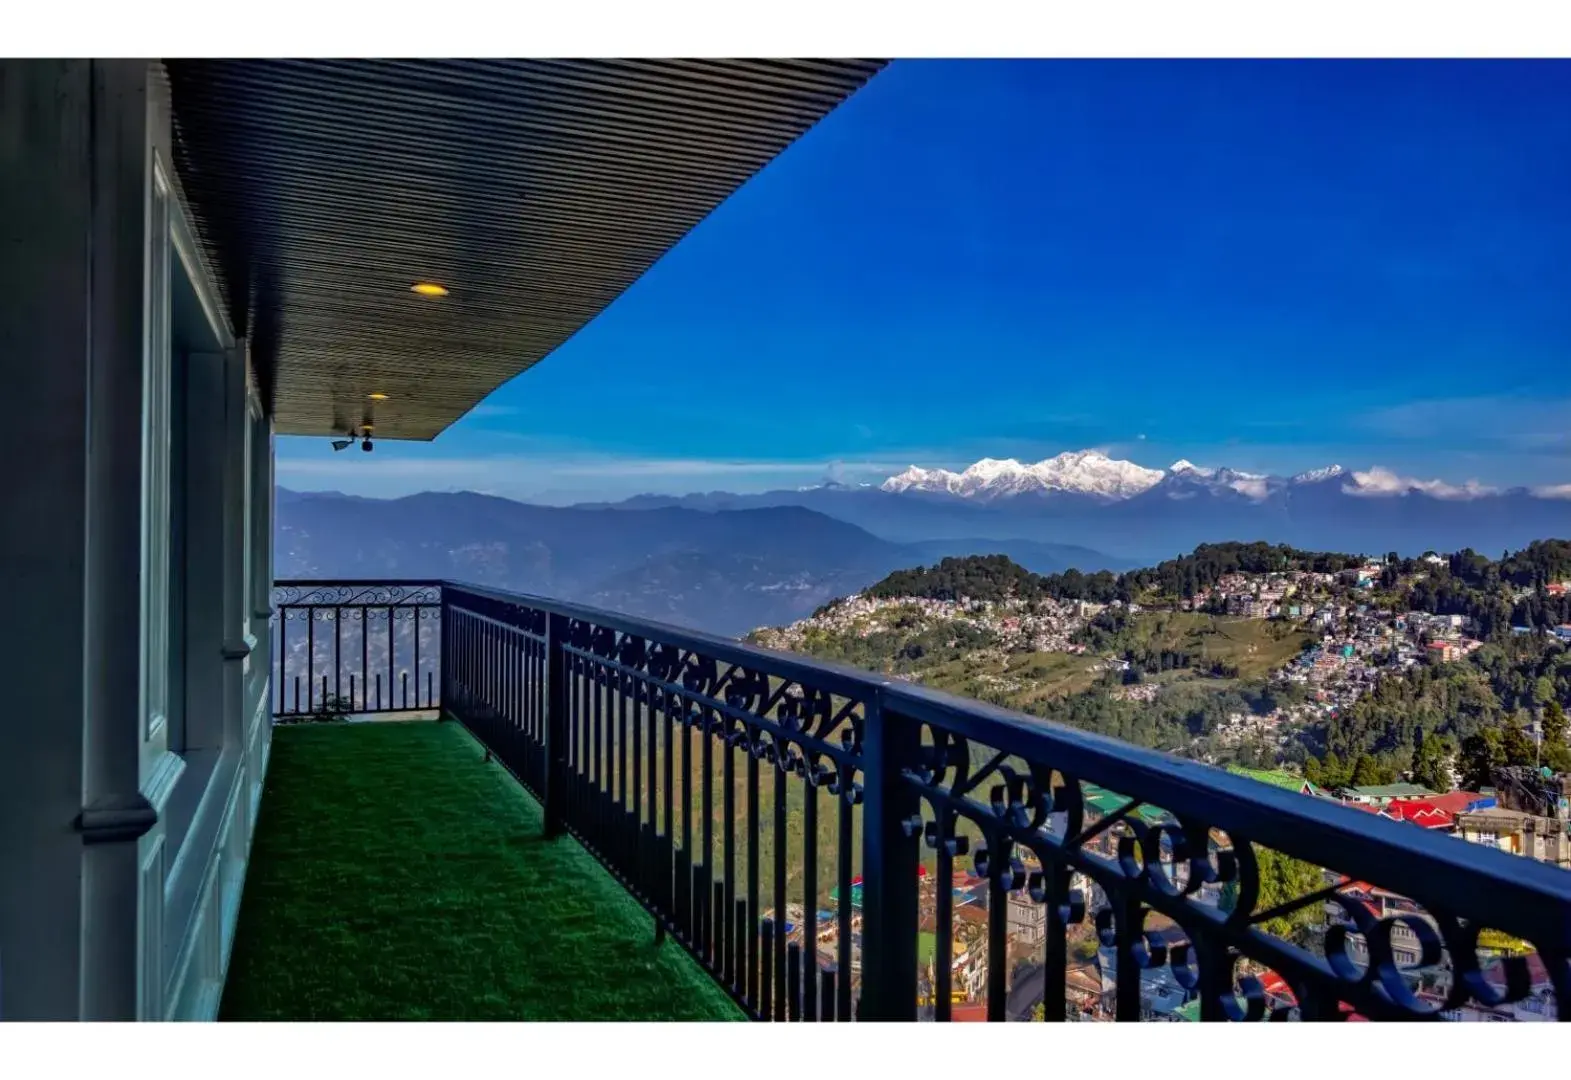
[832, 844]
[356, 647]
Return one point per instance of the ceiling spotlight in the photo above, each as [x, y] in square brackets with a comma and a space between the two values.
[428, 288]
[341, 444]
[377, 397]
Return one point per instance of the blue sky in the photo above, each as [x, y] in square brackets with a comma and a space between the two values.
[1272, 266]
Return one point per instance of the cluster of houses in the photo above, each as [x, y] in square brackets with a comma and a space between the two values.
[1020, 625]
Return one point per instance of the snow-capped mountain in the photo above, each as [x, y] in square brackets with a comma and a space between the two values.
[1090, 499]
[1085, 472]
[1092, 473]
[1314, 476]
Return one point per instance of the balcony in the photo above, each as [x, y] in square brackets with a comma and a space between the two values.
[806, 842]
[396, 875]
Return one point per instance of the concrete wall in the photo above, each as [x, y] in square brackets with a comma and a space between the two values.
[136, 726]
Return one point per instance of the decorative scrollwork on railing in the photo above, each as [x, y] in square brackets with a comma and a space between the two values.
[373, 594]
[1148, 864]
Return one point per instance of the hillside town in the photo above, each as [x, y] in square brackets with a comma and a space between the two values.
[1351, 640]
[1019, 625]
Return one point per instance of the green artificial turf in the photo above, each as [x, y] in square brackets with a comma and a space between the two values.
[397, 876]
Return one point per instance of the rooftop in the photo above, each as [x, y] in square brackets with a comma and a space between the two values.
[1390, 791]
[1276, 778]
[396, 875]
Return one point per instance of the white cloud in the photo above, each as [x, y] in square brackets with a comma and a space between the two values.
[1380, 482]
[1553, 491]
[522, 475]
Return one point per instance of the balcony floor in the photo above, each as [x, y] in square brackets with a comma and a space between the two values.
[395, 876]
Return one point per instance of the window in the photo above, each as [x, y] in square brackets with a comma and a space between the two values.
[157, 378]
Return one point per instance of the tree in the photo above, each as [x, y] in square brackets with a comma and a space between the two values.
[1333, 774]
[1284, 879]
[1429, 763]
[1555, 753]
[1482, 753]
[1366, 771]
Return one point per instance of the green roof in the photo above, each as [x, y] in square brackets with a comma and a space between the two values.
[1274, 777]
[1106, 802]
[1189, 1011]
[926, 947]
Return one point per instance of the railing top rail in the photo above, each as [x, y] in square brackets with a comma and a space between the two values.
[1524, 896]
[348, 592]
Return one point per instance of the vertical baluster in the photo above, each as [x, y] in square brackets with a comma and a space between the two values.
[780, 880]
[365, 655]
[717, 934]
[943, 958]
[826, 996]
[997, 926]
[310, 656]
[766, 981]
[626, 832]
[600, 789]
[843, 853]
[728, 869]
[686, 878]
[338, 640]
[390, 652]
[753, 854]
[794, 981]
[706, 734]
[419, 609]
[283, 652]
[1126, 924]
[891, 743]
[810, 888]
[741, 933]
[647, 712]
[378, 691]
[668, 822]
[637, 834]
[1055, 951]
[557, 727]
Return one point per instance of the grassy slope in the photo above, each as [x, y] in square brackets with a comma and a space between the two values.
[395, 876]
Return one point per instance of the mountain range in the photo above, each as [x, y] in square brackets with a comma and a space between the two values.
[725, 571]
[1088, 499]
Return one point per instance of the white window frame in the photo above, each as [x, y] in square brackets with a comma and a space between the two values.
[157, 375]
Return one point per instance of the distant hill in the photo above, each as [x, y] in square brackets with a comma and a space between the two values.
[722, 571]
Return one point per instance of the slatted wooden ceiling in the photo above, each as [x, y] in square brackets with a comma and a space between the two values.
[534, 191]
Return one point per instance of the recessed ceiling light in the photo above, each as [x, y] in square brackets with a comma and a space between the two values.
[377, 397]
[428, 288]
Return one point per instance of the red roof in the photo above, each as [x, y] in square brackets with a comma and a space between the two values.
[1422, 812]
[1454, 802]
[971, 1013]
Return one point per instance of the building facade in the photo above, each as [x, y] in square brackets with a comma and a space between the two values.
[140, 558]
